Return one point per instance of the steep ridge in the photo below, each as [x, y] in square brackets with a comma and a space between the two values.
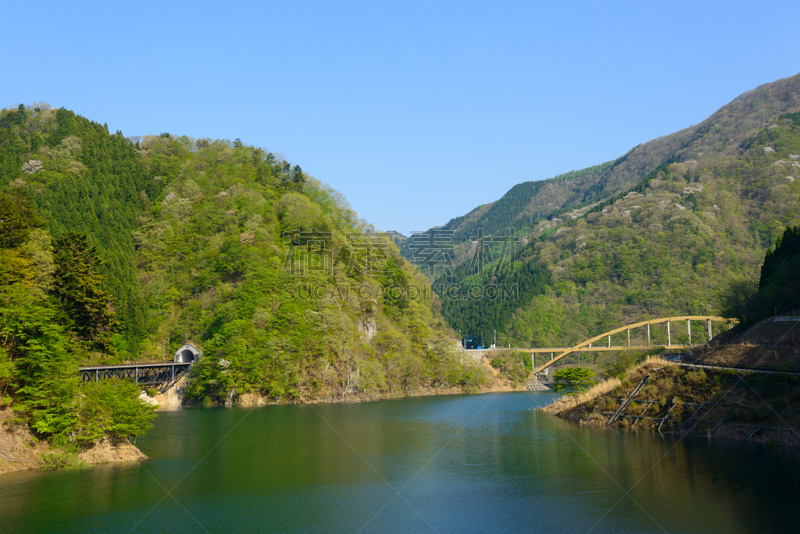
[651, 234]
[288, 293]
[83, 179]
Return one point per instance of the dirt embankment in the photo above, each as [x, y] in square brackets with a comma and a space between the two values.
[669, 398]
[20, 451]
[684, 401]
[495, 382]
[772, 344]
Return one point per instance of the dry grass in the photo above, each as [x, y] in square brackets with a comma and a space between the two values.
[567, 402]
[756, 408]
[767, 345]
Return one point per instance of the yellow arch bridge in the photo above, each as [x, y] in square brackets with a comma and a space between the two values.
[589, 344]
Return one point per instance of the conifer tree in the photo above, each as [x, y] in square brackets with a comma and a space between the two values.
[78, 285]
[17, 218]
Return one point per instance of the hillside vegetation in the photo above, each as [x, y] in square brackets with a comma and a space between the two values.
[54, 314]
[291, 295]
[267, 270]
[85, 180]
[667, 226]
[755, 407]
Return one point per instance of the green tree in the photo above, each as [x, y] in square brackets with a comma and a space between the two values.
[17, 218]
[780, 284]
[574, 379]
[78, 285]
[740, 299]
[787, 247]
[112, 407]
[21, 115]
[43, 372]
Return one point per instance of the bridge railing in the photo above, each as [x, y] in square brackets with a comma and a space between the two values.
[153, 374]
[586, 346]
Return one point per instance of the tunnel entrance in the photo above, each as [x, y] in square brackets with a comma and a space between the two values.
[187, 354]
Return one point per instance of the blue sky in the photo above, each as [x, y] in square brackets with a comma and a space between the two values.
[417, 111]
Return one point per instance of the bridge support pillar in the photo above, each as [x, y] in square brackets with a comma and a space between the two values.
[648, 335]
[629, 337]
[669, 335]
[95, 375]
[609, 342]
[689, 328]
[709, 330]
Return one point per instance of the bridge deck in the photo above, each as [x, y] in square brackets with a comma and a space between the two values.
[133, 365]
[144, 374]
[590, 349]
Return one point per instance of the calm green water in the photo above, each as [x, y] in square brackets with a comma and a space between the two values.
[481, 463]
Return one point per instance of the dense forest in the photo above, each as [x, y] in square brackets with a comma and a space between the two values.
[118, 249]
[83, 180]
[777, 289]
[274, 274]
[55, 314]
[662, 231]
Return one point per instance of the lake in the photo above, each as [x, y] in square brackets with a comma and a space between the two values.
[464, 463]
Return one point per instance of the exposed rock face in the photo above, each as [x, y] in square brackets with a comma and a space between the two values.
[367, 327]
[147, 399]
[172, 399]
[250, 399]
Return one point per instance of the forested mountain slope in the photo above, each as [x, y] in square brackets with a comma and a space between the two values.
[85, 180]
[55, 314]
[290, 293]
[525, 204]
[270, 272]
[691, 212]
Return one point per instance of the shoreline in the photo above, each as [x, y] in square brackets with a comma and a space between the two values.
[173, 399]
[20, 451]
[662, 397]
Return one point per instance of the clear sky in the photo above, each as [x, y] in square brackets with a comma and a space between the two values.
[418, 111]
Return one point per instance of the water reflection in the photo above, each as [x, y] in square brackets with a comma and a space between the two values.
[460, 464]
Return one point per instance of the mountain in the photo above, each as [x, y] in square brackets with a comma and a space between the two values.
[85, 180]
[289, 294]
[657, 232]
